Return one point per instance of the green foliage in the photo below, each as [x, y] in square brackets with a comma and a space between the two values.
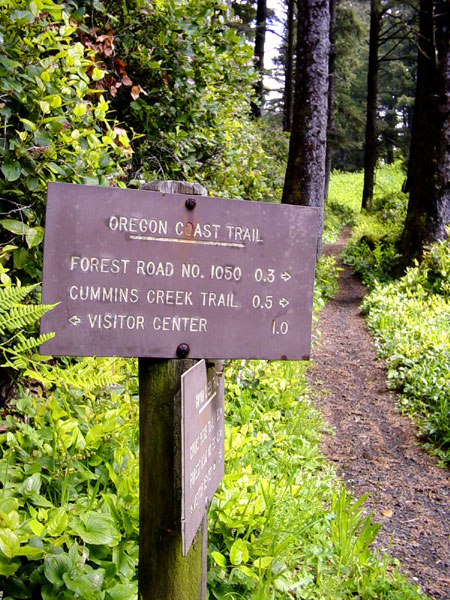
[345, 190]
[69, 500]
[54, 121]
[281, 526]
[342, 205]
[192, 78]
[410, 319]
[372, 250]
[326, 282]
[17, 322]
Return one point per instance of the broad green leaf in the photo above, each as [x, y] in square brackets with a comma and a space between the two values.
[79, 110]
[57, 522]
[45, 106]
[239, 552]
[10, 520]
[9, 543]
[80, 584]
[96, 528]
[22, 16]
[55, 101]
[8, 504]
[8, 63]
[17, 227]
[219, 558]
[31, 551]
[247, 571]
[97, 74]
[32, 183]
[263, 562]
[11, 170]
[55, 168]
[122, 591]
[36, 527]
[34, 236]
[31, 486]
[55, 567]
[8, 568]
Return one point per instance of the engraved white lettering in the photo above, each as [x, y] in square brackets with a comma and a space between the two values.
[244, 234]
[95, 264]
[192, 324]
[200, 231]
[163, 269]
[103, 294]
[137, 225]
[225, 300]
[190, 270]
[111, 321]
[171, 297]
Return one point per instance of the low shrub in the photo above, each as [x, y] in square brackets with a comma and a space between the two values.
[410, 319]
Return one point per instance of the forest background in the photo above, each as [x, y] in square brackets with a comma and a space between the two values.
[119, 93]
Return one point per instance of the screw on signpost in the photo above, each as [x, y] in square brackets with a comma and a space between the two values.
[164, 574]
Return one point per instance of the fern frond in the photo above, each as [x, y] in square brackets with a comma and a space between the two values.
[26, 344]
[86, 375]
[22, 316]
[13, 295]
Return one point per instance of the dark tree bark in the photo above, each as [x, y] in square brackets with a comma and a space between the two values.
[428, 212]
[371, 135]
[305, 173]
[331, 94]
[289, 68]
[260, 40]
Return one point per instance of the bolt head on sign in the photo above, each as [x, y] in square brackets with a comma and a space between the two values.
[141, 273]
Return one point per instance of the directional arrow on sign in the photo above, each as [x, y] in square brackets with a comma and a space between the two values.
[284, 302]
[285, 276]
[75, 320]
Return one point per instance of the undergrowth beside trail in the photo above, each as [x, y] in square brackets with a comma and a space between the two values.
[407, 315]
[281, 525]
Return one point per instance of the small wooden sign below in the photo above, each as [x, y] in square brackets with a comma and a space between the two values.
[202, 433]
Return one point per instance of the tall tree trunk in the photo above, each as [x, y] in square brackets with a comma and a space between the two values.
[331, 94]
[428, 212]
[305, 173]
[289, 68]
[260, 40]
[371, 135]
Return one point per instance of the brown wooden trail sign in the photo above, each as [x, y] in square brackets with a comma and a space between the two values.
[152, 274]
[142, 273]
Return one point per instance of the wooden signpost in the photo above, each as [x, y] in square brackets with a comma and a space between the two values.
[170, 275]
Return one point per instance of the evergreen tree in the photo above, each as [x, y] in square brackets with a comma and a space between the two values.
[428, 213]
[305, 173]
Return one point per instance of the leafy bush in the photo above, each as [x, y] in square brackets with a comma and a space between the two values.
[410, 319]
[326, 281]
[56, 122]
[372, 250]
[68, 500]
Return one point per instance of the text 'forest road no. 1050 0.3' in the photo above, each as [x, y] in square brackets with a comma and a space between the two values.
[140, 273]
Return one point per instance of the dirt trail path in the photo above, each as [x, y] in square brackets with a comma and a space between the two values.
[375, 447]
